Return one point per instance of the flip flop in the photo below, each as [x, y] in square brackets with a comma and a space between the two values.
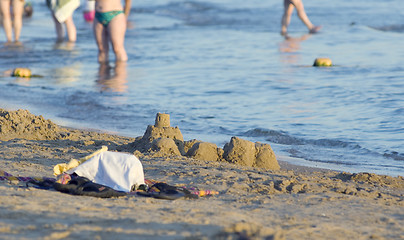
[84, 187]
[168, 192]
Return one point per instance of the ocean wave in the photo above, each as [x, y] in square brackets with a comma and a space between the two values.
[394, 155]
[281, 137]
[194, 13]
[84, 101]
[391, 28]
[333, 147]
[274, 136]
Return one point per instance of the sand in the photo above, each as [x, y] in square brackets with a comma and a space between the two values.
[253, 203]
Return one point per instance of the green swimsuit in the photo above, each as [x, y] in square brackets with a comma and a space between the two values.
[105, 17]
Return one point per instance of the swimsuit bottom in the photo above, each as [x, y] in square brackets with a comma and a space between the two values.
[105, 17]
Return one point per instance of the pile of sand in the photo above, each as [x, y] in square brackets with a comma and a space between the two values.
[23, 124]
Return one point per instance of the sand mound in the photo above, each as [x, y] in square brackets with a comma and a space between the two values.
[23, 124]
[373, 179]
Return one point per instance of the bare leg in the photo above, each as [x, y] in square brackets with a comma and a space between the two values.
[288, 10]
[101, 38]
[289, 5]
[5, 10]
[303, 16]
[116, 33]
[71, 29]
[18, 9]
[59, 29]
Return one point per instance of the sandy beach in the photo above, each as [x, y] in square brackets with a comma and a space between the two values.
[253, 203]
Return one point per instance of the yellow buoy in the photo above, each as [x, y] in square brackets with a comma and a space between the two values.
[22, 72]
[322, 62]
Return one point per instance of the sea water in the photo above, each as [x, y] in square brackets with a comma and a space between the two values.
[220, 68]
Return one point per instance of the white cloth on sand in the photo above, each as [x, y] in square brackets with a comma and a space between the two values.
[119, 171]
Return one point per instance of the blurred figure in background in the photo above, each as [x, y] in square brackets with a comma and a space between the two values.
[289, 6]
[110, 26]
[11, 13]
[28, 10]
[62, 13]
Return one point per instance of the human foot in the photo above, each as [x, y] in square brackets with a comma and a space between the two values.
[315, 29]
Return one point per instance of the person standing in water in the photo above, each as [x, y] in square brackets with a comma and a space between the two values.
[289, 6]
[62, 13]
[12, 11]
[110, 26]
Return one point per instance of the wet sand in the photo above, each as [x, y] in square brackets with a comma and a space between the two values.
[253, 203]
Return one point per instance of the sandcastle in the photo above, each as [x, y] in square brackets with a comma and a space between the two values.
[167, 140]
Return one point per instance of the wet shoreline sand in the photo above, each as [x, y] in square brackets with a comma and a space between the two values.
[253, 203]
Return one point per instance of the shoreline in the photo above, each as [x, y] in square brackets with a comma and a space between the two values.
[295, 202]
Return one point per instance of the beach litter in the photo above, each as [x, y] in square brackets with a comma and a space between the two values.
[322, 62]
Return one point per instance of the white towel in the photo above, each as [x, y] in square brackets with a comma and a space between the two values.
[119, 171]
[62, 9]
